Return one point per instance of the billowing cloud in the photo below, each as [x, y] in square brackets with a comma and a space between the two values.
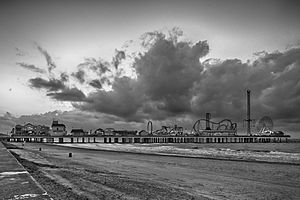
[121, 101]
[68, 94]
[281, 97]
[99, 69]
[272, 79]
[49, 85]
[57, 89]
[166, 74]
[50, 63]
[31, 67]
[221, 90]
[171, 84]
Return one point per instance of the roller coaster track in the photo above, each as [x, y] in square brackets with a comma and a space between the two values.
[224, 126]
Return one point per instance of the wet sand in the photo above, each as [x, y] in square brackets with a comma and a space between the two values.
[94, 174]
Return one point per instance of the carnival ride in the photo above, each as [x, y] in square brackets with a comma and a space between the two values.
[202, 127]
[149, 127]
[206, 127]
[264, 126]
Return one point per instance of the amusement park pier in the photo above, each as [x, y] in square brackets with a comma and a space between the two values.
[204, 131]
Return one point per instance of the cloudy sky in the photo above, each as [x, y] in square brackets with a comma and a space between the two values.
[121, 63]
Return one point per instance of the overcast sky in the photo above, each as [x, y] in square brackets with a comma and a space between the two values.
[120, 63]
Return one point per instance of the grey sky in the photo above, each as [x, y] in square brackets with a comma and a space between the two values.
[70, 31]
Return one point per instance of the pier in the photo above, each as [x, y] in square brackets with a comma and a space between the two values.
[150, 139]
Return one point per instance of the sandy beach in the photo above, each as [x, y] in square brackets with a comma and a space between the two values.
[96, 174]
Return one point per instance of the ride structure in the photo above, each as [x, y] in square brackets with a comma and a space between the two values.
[264, 126]
[206, 127]
[150, 127]
[248, 115]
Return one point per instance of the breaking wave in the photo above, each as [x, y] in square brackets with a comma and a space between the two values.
[201, 152]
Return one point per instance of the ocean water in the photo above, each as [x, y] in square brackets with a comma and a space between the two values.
[267, 152]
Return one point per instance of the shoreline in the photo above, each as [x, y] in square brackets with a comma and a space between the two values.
[94, 174]
[59, 185]
[185, 156]
[177, 153]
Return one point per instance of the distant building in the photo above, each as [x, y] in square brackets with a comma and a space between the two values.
[58, 129]
[42, 130]
[18, 130]
[30, 129]
[109, 131]
[99, 132]
[142, 133]
[113, 132]
[124, 133]
[77, 132]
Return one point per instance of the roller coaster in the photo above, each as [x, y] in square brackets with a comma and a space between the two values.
[206, 127]
[224, 127]
[202, 127]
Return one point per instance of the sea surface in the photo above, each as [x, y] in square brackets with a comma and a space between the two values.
[286, 153]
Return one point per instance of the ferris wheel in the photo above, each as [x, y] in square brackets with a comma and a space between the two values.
[265, 125]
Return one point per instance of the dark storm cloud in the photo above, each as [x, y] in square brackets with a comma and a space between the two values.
[49, 85]
[57, 89]
[31, 67]
[220, 89]
[79, 75]
[68, 94]
[168, 71]
[50, 63]
[122, 101]
[282, 97]
[96, 84]
[165, 75]
[172, 85]
[172, 82]
[273, 79]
